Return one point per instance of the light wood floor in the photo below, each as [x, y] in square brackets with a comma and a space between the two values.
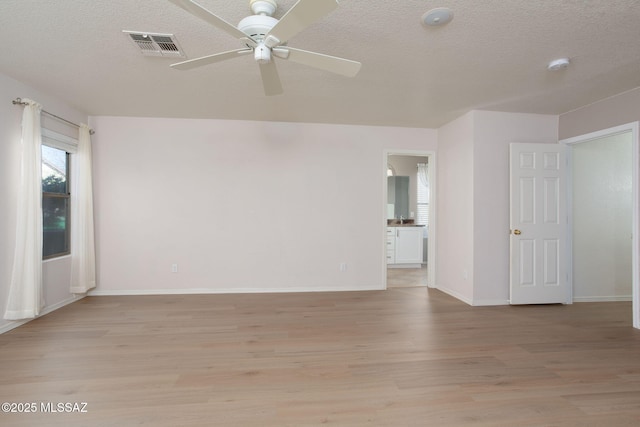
[406, 277]
[402, 357]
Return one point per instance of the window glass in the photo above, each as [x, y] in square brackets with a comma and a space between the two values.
[55, 202]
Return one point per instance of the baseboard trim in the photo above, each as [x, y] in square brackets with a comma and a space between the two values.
[455, 294]
[196, 291]
[404, 265]
[604, 298]
[48, 309]
[490, 302]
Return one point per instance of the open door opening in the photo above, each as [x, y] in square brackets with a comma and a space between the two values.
[409, 188]
[604, 217]
[543, 268]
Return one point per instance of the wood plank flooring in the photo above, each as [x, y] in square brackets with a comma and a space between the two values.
[402, 357]
[406, 277]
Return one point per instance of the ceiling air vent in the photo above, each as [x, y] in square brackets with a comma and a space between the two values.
[154, 44]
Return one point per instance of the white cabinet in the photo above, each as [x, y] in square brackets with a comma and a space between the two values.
[391, 245]
[404, 246]
[408, 245]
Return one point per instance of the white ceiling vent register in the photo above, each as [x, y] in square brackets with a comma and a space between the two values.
[155, 44]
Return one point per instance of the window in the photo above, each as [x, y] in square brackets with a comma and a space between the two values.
[55, 202]
[422, 217]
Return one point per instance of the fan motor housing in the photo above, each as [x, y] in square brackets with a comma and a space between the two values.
[257, 26]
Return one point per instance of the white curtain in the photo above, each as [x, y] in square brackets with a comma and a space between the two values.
[423, 198]
[83, 256]
[423, 174]
[26, 297]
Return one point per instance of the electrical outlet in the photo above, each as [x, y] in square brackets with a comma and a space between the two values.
[343, 266]
[465, 274]
[174, 268]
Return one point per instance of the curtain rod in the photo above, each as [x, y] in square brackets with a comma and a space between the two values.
[19, 101]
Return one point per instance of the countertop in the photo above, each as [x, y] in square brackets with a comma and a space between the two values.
[405, 223]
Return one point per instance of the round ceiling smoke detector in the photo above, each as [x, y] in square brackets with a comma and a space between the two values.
[558, 64]
[437, 17]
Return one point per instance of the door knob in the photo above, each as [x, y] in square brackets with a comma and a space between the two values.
[517, 232]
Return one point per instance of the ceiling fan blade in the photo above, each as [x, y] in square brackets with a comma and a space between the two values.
[210, 59]
[299, 17]
[202, 13]
[270, 79]
[333, 64]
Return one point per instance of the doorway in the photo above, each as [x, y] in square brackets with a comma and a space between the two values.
[604, 216]
[409, 188]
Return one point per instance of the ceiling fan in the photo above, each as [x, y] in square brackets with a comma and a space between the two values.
[266, 37]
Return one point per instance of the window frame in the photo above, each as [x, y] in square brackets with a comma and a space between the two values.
[422, 208]
[69, 146]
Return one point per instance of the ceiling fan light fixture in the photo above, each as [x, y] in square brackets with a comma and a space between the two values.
[265, 36]
[437, 17]
[262, 54]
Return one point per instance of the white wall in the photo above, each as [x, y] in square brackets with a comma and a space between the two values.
[241, 206]
[55, 272]
[602, 218]
[609, 112]
[455, 208]
[493, 132]
[473, 200]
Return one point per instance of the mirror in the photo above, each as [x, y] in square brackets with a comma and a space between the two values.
[397, 197]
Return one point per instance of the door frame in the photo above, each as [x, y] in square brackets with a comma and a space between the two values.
[431, 242]
[635, 188]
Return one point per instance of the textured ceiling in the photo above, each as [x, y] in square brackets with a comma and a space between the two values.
[493, 55]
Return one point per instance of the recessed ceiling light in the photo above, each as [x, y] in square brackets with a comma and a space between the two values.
[438, 16]
[558, 64]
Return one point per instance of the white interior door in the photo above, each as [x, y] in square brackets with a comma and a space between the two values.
[539, 261]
